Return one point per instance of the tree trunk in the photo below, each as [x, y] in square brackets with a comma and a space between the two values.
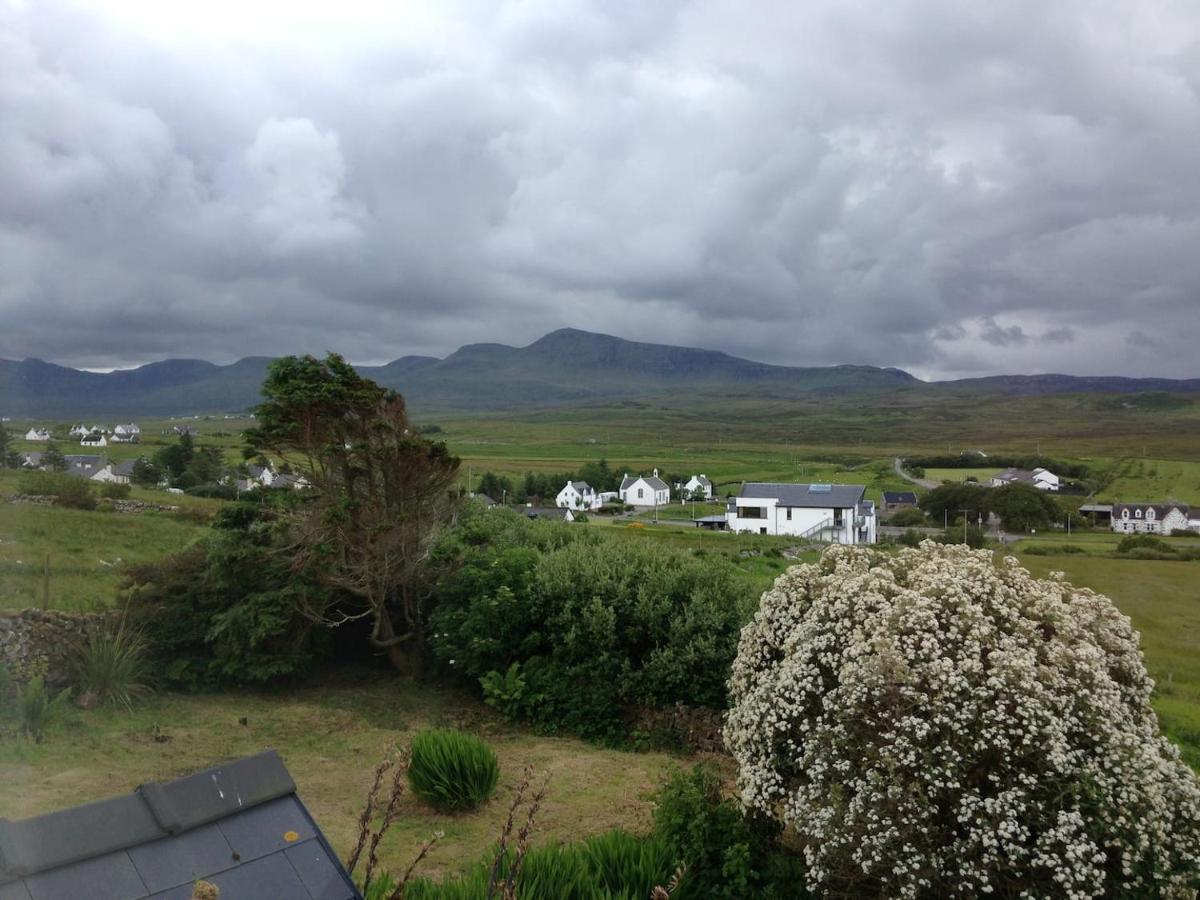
[406, 657]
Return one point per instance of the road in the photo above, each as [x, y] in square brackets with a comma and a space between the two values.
[921, 482]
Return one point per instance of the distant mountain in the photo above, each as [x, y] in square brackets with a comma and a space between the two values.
[565, 367]
[1070, 384]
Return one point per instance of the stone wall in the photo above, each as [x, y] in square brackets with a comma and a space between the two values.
[40, 642]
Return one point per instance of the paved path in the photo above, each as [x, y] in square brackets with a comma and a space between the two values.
[922, 482]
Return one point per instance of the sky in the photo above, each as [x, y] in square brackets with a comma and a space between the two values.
[953, 187]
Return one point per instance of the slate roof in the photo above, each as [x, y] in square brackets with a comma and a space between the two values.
[652, 481]
[838, 496]
[899, 497]
[581, 486]
[239, 826]
[125, 468]
[1160, 509]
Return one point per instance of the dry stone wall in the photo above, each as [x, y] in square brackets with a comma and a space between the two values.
[42, 642]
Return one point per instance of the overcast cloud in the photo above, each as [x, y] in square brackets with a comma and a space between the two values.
[952, 187]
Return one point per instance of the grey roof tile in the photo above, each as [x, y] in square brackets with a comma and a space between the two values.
[318, 872]
[262, 830]
[108, 877]
[183, 858]
[838, 496]
[240, 826]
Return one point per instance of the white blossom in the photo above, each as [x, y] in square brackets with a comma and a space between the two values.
[932, 725]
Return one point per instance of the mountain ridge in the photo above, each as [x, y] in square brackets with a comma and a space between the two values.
[563, 367]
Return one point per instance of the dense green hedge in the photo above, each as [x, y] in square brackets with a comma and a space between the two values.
[575, 632]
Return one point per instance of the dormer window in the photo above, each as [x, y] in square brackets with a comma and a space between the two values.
[1137, 514]
[1124, 514]
[1149, 514]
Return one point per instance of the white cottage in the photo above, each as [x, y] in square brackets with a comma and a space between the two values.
[93, 439]
[37, 434]
[642, 490]
[1151, 518]
[1042, 479]
[577, 495]
[837, 513]
[697, 486]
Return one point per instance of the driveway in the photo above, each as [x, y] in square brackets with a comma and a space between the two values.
[922, 482]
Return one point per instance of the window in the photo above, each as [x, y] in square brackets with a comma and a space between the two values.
[1149, 514]
[751, 512]
[641, 491]
[789, 514]
[1137, 513]
[1124, 514]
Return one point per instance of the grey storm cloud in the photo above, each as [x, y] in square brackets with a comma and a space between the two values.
[953, 187]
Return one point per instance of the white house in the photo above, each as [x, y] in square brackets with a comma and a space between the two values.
[837, 513]
[644, 490]
[37, 434]
[1151, 518]
[1042, 479]
[93, 438]
[697, 483]
[78, 431]
[577, 495]
[263, 475]
[126, 434]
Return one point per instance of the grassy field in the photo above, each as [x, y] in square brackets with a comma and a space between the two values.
[1154, 480]
[85, 549]
[982, 475]
[331, 737]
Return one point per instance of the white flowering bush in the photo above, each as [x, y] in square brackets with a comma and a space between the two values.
[931, 725]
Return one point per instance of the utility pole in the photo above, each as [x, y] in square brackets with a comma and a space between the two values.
[964, 512]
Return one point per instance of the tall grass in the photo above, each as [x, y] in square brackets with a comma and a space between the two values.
[452, 771]
[37, 707]
[614, 865]
[112, 663]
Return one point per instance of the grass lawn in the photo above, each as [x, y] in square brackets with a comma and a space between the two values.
[331, 737]
[983, 476]
[1163, 600]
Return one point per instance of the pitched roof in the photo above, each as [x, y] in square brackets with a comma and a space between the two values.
[1160, 509]
[545, 512]
[239, 826]
[652, 481]
[899, 497]
[580, 486]
[125, 468]
[817, 496]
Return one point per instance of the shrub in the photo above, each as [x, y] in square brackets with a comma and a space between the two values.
[1144, 542]
[599, 626]
[1052, 549]
[114, 491]
[451, 770]
[927, 724]
[907, 518]
[229, 609]
[708, 833]
[66, 490]
[37, 708]
[113, 663]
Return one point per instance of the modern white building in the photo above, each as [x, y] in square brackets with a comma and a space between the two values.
[577, 495]
[1042, 479]
[93, 439]
[697, 483]
[836, 513]
[644, 490]
[1152, 518]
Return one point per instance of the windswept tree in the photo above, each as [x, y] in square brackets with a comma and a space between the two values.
[53, 459]
[380, 494]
